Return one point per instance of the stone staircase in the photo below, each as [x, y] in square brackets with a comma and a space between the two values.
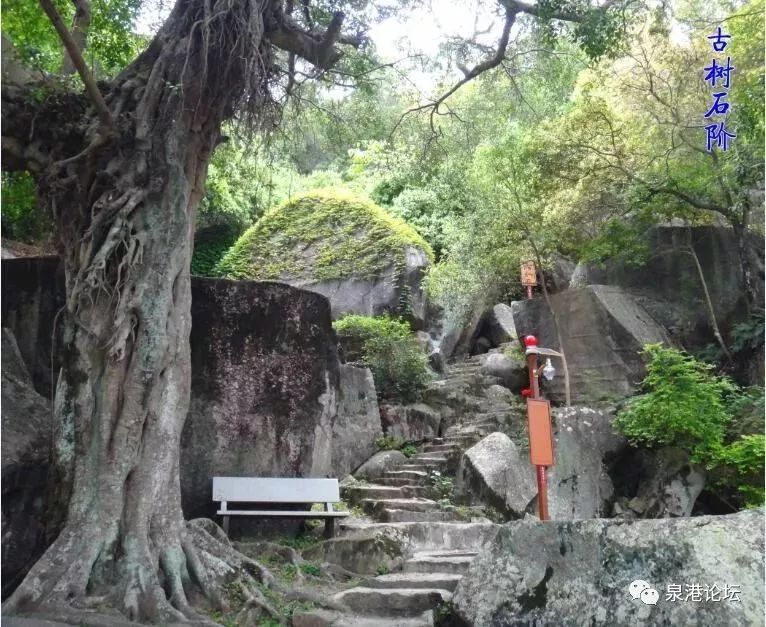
[473, 405]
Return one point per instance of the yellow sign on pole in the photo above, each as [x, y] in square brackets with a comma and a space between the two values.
[528, 273]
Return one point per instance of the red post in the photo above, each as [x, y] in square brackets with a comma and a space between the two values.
[530, 341]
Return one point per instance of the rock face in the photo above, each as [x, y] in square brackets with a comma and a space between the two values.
[361, 258]
[512, 372]
[668, 285]
[357, 420]
[603, 328]
[579, 573]
[410, 422]
[26, 442]
[499, 326]
[494, 471]
[269, 397]
[579, 485]
[33, 293]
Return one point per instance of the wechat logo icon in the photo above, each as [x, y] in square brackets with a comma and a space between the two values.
[640, 589]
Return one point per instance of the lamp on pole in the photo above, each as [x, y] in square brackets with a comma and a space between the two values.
[539, 419]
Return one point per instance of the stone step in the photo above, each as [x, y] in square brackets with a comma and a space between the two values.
[440, 448]
[354, 494]
[395, 481]
[456, 564]
[421, 491]
[412, 504]
[405, 515]
[428, 457]
[410, 475]
[441, 581]
[422, 465]
[428, 536]
[327, 618]
[392, 601]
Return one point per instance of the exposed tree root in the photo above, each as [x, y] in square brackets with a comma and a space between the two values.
[157, 588]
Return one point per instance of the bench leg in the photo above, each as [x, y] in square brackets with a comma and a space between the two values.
[329, 527]
[226, 525]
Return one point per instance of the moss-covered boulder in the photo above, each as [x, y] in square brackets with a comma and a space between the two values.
[361, 258]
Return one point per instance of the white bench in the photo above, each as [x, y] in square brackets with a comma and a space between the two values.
[229, 490]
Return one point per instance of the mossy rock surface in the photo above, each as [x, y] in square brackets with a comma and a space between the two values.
[324, 235]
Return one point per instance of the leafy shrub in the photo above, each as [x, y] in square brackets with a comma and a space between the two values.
[409, 450]
[741, 465]
[442, 488]
[684, 404]
[388, 349]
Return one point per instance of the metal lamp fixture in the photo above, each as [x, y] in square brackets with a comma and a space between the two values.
[549, 371]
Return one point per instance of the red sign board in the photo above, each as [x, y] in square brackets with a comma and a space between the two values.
[540, 432]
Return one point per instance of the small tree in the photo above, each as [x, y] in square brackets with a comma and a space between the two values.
[684, 404]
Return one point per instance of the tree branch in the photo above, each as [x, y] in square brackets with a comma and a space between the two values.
[319, 49]
[104, 116]
[80, 25]
[468, 74]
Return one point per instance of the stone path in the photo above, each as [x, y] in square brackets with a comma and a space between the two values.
[476, 406]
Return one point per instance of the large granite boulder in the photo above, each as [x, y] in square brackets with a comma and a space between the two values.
[413, 422]
[495, 472]
[511, 371]
[585, 446]
[559, 274]
[668, 284]
[580, 573]
[603, 330]
[269, 396]
[498, 325]
[357, 420]
[378, 464]
[364, 260]
[26, 442]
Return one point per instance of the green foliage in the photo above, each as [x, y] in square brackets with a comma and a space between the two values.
[322, 235]
[299, 543]
[22, 218]
[617, 240]
[210, 245]
[741, 465]
[398, 365]
[748, 336]
[391, 443]
[111, 43]
[683, 404]
[441, 487]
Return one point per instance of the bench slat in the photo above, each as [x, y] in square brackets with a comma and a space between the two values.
[281, 513]
[276, 490]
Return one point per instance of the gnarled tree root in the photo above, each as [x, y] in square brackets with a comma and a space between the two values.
[155, 587]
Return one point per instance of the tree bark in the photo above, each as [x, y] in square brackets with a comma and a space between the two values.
[125, 208]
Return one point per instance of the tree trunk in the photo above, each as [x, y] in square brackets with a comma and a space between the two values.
[125, 209]
[745, 262]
